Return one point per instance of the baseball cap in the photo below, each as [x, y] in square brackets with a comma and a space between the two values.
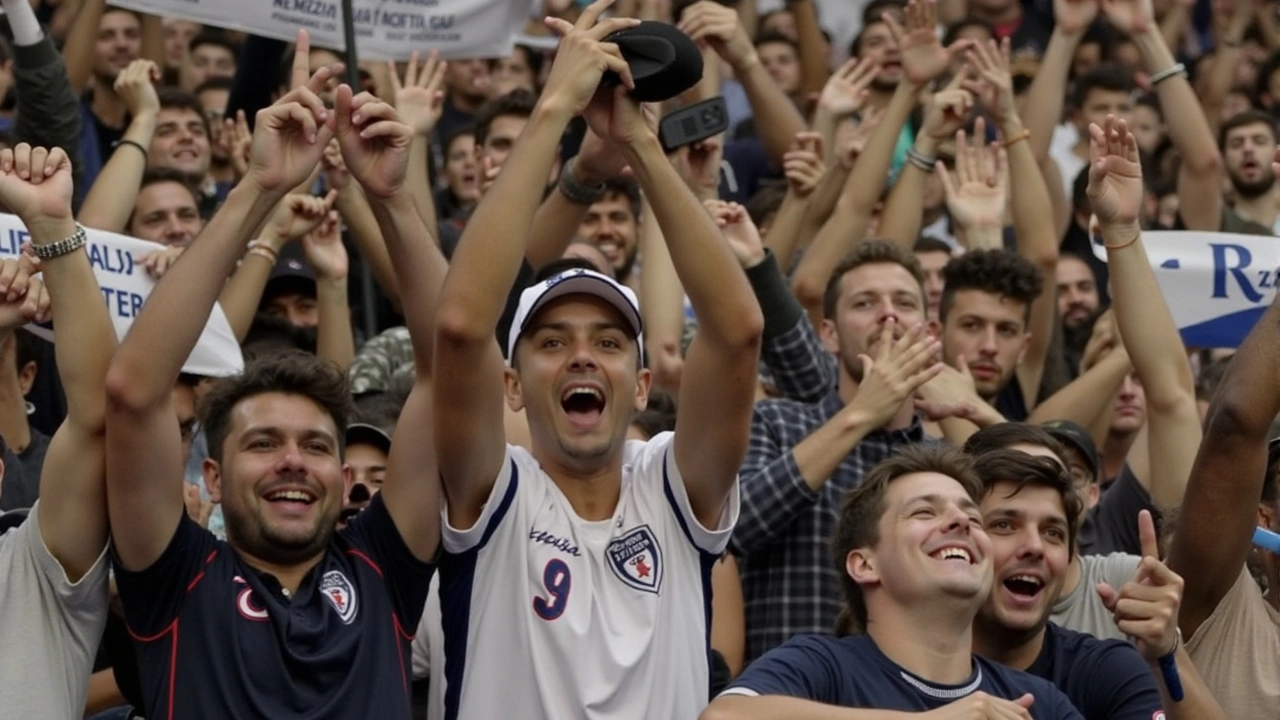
[1077, 437]
[575, 281]
[292, 263]
[664, 62]
[366, 434]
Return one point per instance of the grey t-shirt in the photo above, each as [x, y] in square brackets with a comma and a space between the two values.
[1081, 609]
[49, 627]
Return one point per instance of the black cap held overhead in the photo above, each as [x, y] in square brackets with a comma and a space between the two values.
[663, 61]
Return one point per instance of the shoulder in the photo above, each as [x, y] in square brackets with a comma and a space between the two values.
[1103, 656]
[1113, 568]
[1010, 684]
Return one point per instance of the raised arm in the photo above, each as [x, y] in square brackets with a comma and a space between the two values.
[360, 222]
[1115, 189]
[420, 102]
[1220, 506]
[327, 256]
[82, 39]
[36, 184]
[1048, 90]
[469, 399]
[377, 150]
[111, 198]
[144, 450]
[1200, 174]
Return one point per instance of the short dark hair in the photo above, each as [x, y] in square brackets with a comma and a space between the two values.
[1023, 471]
[872, 11]
[212, 37]
[218, 82]
[1268, 68]
[870, 252]
[27, 348]
[290, 372]
[658, 416]
[1003, 436]
[172, 98]
[858, 524]
[766, 202]
[1109, 76]
[626, 188]
[533, 58]
[998, 272]
[773, 36]
[855, 47]
[929, 243]
[157, 175]
[953, 32]
[517, 103]
[1248, 117]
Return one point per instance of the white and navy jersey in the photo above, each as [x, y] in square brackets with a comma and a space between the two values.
[549, 616]
[852, 672]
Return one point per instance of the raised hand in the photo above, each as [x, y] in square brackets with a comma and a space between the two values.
[923, 57]
[198, 508]
[1146, 608]
[335, 168]
[948, 109]
[951, 394]
[617, 118]
[296, 216]
[598, 160]
[901, 366]
[35, 184]
[583, 58]
[23, 298]
[852, 138]
[1074, 16]
[1115, 175]
[158, 262]
[846, 89]
[1103, 340]
[419, 99]
[992, 64]
[977, 196]
[375, 144]
[738, 230]
[239, 140]
[699, 166]
[1132, 17]
[290, 135]
[324, 250]
[717, 25]
[803, 165]
[136, 86]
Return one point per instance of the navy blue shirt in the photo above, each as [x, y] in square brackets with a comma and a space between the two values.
[852, 672]
[217, 639]
[1104, 679]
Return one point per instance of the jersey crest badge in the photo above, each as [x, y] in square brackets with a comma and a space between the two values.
[636, 558]
[341, 594]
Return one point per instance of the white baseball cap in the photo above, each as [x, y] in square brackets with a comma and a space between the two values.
[576, 281]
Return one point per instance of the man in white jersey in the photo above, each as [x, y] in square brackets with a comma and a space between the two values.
[578, 573]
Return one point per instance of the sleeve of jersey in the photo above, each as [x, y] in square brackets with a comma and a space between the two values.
[407, 578]
[459, 540]
[800, 668]
[1061, 707]
[153, 597]
[1123, 685]
[660, 453]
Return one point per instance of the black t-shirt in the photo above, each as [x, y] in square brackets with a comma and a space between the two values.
[852, 672]
[1104, 679]
[1010, 403]
[22, 473]
[218, 639]
[1112, 525]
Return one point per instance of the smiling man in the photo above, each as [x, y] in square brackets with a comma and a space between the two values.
[916, 566]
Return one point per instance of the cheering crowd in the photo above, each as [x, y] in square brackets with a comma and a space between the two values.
[863, 403]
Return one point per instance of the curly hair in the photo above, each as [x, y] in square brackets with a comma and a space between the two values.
[998, 272]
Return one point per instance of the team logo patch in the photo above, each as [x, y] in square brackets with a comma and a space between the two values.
[341, 594]
[1159, 715]
[636, 559]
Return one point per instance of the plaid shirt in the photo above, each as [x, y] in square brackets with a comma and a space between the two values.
[783, 534]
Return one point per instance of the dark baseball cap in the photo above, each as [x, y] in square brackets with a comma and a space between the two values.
[1077, 437]
[664, 61]
[366, 434]
[292, 263]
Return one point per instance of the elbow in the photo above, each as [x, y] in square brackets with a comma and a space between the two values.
[1203, 163]
[807, 289]
[718, 710]
[129, 387]
[456, 326]
[1232, 416]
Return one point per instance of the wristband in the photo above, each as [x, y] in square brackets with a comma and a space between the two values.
[576, 191]
[1169, 669]
[920, 161]
[1175, 69]
[66, 246]
[1024, 135]
[133, 144]
[1124, 244]
[263, 248]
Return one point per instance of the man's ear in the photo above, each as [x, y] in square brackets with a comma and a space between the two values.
[861, 566]
[27, 376]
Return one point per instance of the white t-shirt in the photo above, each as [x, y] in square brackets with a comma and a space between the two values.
[549, 616]
[1062, 150]
[49, 627]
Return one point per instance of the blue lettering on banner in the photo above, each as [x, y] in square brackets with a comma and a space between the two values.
[559, 543]
[112, 260]
[122, 303]
[308, 7]
[14, 240]
[1242, 259]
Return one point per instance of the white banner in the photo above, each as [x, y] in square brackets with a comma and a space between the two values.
[385, 29]
[1217, 285]
[126, 285]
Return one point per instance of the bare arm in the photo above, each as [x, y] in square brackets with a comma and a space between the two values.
[661, 306]
[1087, 397]
[717, 388]
[1048, 91]
[557, 220]
[326, 255]
[144, 450]
[813, 61]
[111, 199]
[81, 43]
[419, 101]
[780, 707]
[1226, 58]
[356, 215]
[411, 489]
[72, 507]
[152, 38]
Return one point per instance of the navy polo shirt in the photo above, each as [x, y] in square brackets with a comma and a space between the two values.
[1104, 679]
[852, 672]
[217, 639]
